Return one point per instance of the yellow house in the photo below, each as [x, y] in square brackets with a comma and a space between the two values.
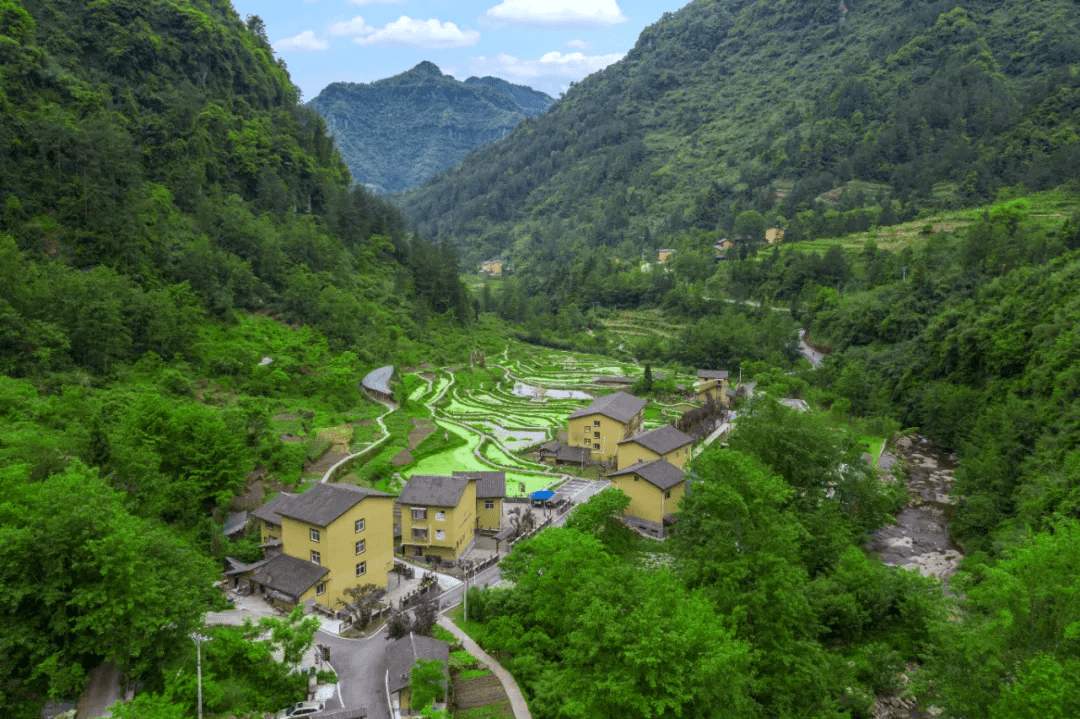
[654, 489]
[492, 267]
[438, 515]
[270, 521]
[712, 384]
[333, 536]
[725, 244]
[490, 493]
[661, 443]
[774, 235]
[401, 657]
[664, 255]
[604, 423]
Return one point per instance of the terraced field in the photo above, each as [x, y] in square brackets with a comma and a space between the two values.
[521, 400]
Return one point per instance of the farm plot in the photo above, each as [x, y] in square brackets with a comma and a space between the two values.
[484, 418]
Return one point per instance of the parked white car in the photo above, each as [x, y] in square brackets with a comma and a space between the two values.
[300, 709]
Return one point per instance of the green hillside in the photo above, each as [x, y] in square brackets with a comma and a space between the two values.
[181, 260]
[734, 105]
[398, 132]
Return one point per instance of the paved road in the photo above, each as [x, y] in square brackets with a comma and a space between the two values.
[807, 351]
[361, 668]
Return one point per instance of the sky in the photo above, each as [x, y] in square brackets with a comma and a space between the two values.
[545, 44]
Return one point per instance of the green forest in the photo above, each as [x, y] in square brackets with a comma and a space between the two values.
[397, 132]
[184, 256]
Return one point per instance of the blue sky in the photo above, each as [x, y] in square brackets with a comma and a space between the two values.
[545, 44]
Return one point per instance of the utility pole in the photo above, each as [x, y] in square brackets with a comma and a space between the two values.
[465, 594]
[199, 639]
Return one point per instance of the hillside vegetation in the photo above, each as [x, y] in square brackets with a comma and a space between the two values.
[729, 106]
[398, 132]
[181, 259]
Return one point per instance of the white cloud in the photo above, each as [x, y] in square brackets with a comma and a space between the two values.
[349, 28]
[552, 73]
[579, 44]
[305, 41]
[375, 2]
[423, 34]
[556, 13]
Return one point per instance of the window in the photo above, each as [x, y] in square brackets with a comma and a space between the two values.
[418, 551]
[596, 435]
[315, 557]
[359, 525]
[361, 569]
[440, 534]
[314, 535]
[489, 504]
[596, 446]
[596, 423]
[361, 546]
[667, 494]
[440, 516]
[419, 532]
[320, 588]
[419, 513]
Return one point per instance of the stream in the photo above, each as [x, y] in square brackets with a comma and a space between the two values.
[920, 538]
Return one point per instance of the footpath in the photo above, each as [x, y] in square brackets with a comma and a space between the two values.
[517, 700]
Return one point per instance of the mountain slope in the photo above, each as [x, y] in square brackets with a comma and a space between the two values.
[396, 133]
[730, 105]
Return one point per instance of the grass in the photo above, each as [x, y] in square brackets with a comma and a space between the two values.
[499, 710]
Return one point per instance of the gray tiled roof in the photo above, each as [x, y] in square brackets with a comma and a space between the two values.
[269, 511]
[577, 455]
[402, 654]
[660, 473]
[712, 374]
[619, 406]
[489, 485]
[432, 490]
[552, 446]
[378, 380]
[289, 575]
[235, 522]
[661, 440]
[611, 380]
[324, 503]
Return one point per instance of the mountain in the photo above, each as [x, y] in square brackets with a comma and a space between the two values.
[733, 105]
[396, 133]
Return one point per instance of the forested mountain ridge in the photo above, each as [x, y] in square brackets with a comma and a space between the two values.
[732, 105]
[181, 258]
[397, 132]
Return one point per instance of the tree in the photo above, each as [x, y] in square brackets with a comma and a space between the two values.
[601, 516]
[427, 682]
[365, 599]
[85, 581]
[750, 226]
[294, 635]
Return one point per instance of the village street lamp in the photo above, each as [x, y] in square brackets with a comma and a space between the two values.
[199, 639]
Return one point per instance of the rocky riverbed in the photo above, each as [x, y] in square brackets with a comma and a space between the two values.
[920, 538]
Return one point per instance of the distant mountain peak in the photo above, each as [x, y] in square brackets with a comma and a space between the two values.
[397, 132]
[426, 68]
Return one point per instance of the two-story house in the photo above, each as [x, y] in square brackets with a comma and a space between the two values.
[490, 493]
[270, 523]
[654, 489]
[333, 536]
[661, 443]
[712, 384]
[604, 423]
[438, 515]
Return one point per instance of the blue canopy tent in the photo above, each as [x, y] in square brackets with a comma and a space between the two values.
[541, 498]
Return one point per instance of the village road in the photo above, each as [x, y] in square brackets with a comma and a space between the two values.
[361, 667]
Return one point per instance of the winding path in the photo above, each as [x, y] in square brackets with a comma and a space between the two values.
[390, 407]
